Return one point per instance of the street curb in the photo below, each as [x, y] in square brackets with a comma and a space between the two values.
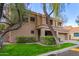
[58, 51]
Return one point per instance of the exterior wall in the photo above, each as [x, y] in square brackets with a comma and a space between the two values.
[43, 20]
[38, 20]
[23, 31]
[6, 38]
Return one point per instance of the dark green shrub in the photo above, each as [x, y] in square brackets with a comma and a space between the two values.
[25, 39]
[21, 39]
[30, 39]
[49, 40]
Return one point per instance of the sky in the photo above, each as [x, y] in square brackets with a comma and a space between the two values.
[71, 12]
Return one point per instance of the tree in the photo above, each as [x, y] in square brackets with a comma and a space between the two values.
[14, 17]
[77, 20]
[55, 8]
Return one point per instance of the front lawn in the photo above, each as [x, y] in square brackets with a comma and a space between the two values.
[29, 49]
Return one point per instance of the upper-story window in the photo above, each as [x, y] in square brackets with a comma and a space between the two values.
[59, 23]
[32, 31]
[32, 19]
[51, 22]
[25, 19]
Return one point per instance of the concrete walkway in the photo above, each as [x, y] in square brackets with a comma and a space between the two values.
[54, 53]
[70, 41]
[58, 51]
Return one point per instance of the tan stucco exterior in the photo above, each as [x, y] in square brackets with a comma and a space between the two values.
[38, 24]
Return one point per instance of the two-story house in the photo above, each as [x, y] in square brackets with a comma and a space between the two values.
[36, 26]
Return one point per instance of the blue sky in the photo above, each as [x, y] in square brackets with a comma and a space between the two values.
[71, 12]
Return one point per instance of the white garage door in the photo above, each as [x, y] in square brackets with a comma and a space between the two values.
[62, 37]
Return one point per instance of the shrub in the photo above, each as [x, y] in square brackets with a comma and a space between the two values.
[25, 39]
[49, 40]
[30, 39]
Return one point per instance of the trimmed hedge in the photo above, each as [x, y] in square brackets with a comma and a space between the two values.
[25, 39]
[48, 40]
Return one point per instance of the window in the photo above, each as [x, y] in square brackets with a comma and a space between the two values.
[59, 23]
[32, 31]
[32, 19]
[51, 22]
[76, 34]
[25, 19]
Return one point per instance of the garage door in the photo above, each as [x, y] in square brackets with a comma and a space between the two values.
[62, 37]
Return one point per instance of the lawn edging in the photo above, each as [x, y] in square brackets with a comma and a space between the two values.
[58, 51]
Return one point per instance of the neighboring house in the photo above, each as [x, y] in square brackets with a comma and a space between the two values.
[36, 26]
[73, 32]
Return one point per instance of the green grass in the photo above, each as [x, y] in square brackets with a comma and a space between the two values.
[29, 49]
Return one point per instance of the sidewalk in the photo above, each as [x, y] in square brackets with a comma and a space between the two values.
[58, 51]
[62, 50]
[70, 41]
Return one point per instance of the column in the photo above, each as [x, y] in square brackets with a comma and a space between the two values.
[68, 37]
[42, 32]
[36, 34]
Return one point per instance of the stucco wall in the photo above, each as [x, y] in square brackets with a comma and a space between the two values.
[25, 30]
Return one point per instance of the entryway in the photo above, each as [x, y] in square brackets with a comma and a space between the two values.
[48, 33]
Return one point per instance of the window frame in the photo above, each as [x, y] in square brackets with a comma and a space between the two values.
[32, 19]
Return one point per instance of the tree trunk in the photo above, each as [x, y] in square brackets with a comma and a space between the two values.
[1, 9]
[1, 12]
[52, 29]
